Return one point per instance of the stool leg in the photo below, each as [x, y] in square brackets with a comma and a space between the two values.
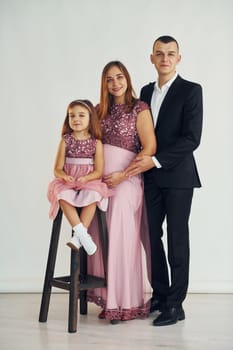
[74, 290]
[50, 267]
[82, 279]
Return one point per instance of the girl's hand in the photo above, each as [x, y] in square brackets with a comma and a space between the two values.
[114, 179]
[82, 179]
[68, 178]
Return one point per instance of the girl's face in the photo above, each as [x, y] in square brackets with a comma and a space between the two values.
[79, 118]
[116, 84]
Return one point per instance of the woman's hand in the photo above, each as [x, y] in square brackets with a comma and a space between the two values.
[139, 165]
[114, 179]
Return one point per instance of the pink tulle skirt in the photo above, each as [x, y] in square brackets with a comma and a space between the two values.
[128, 288]
[76, 193]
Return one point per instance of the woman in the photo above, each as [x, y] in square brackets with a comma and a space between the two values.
[127, 130]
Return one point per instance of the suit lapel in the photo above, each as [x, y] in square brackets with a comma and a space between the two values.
[168, 99]
[149, 94]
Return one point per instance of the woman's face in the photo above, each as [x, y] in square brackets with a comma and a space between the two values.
[116, 84]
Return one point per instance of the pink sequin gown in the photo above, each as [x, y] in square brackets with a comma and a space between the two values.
[125, 297]
[78, 162]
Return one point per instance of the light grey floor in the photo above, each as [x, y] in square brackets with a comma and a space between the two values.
[208, 325]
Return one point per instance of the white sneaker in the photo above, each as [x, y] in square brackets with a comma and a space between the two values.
[74, 243]
[87, 242]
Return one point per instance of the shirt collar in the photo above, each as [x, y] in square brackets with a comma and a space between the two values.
[167, 85]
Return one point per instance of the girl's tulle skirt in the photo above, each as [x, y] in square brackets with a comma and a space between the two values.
[76, 193]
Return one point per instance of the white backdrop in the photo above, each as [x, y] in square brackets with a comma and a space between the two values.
[52, 52]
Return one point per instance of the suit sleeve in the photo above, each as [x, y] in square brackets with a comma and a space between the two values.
[142, 95]
[190, 135]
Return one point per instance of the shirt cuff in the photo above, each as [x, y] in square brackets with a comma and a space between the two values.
[156, 162]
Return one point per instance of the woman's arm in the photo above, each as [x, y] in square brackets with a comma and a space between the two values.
[149, 145]
[146, 133]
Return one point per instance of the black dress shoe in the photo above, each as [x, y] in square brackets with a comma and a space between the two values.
[170, 316]
[156, 305]
[114, 321]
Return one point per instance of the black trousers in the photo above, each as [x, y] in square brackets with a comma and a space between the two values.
[169, 275]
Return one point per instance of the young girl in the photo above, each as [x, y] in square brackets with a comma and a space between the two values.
[78, 170]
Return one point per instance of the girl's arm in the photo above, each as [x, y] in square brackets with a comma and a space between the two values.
[59, 163]
[98, 164]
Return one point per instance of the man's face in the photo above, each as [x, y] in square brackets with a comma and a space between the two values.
[165, 57]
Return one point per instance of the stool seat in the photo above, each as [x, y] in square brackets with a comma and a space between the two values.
[78, 282]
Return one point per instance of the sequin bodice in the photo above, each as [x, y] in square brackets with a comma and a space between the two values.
[119, 126]
[79, 148]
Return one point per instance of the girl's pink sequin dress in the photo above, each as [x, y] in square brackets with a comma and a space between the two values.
[128, 289]
[78, 162]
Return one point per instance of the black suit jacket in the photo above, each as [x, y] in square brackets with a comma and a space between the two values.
[178, 132]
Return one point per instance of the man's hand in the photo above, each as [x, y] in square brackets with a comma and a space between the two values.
[139, 165]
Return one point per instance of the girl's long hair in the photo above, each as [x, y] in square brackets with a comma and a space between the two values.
[94, 124]
[106, 99]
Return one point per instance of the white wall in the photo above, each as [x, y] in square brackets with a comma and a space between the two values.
[52, 52]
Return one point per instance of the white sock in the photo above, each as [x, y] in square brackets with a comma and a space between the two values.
[84, 238]
[80, 228]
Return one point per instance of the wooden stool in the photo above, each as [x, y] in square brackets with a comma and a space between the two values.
[78, 282]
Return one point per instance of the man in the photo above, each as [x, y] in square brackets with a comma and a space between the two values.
[170, 177]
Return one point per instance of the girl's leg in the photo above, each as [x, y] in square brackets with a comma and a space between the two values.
[80, 237]
[86, 217]
[87, 214]
[70, 213]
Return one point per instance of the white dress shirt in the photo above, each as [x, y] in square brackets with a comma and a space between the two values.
[156, 101]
